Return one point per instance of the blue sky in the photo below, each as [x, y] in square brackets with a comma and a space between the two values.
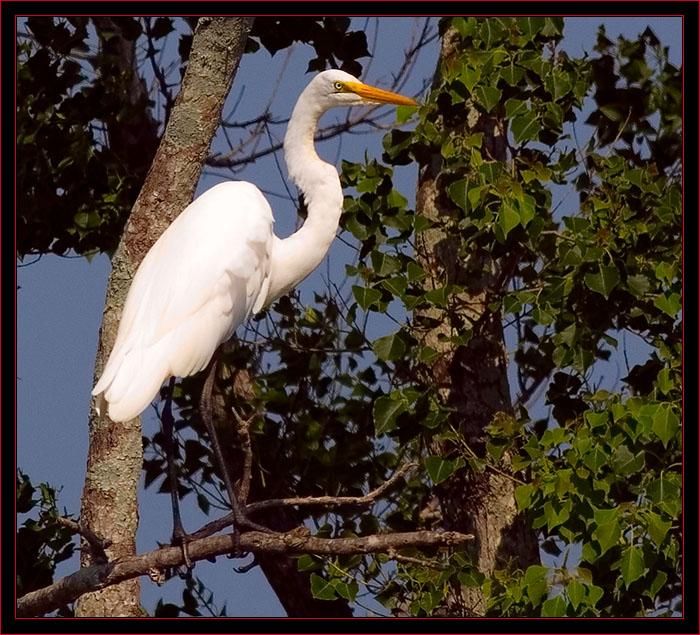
[60, 300]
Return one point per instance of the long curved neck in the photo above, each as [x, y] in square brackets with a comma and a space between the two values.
[294, 258]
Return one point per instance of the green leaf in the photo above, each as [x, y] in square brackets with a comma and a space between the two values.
[458, 193]
[322, 589]
[404, 113]
[607, 532]
[632, 565]
[665, 493]
[415, 272]
[525, 128]
[666, 423]
[627, 463]
[470, 77]
[515, 107]
[603, 281]
[347, 590]
[508, 218]
[307, 562]
[512, 74]
[658, 583]
[365, 296]
[535, 582]
[664, 381]
[396, 285]
[576, 592]
[530, 25]
[555, 514]
[440, 469]
[657, 527]
[488, 96]
[669, 303]
[490, 32]
[438, 296]
[384, 264]
[523, 496]
[554, 607]
[390, 347]
[427, 354]
[385, 411]
[527, 209]
[638, 285]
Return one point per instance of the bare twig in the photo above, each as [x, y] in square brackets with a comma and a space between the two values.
[421, 562]
[327, 501]
[332, 501]
[295, 542]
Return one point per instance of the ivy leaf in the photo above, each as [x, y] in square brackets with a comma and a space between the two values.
[530, 26]
[603, 281]
[470, 77]
[390, 347]
[576, 592]
[523, 496]
[322, 589]
[440, 469]
[515, 107]
[554, 607]
[508, 218]
[365, 296]
[638, 285]
[666, 423]
[632, 565]
[458, 193]
[488, 96]
[347, 590]
[669, 303]
[385, 411]
[525, 128]
[657, 527]
[607, 532]
[527, 209]
[512, 74]
[384, 264]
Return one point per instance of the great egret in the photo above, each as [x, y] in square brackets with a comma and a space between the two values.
[219, 262]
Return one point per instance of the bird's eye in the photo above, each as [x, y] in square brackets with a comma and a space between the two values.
[338, 86]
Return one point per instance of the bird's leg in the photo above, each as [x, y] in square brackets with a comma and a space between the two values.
[180, 536]
[239, 516]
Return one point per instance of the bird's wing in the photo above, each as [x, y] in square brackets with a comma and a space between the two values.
[202, 278]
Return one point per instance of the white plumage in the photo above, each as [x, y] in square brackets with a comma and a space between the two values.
[219, 261]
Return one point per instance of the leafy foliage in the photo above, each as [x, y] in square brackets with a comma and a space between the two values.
[335, 46]
[66, 106]
[42, 542]
[582, 246]
[336, 410]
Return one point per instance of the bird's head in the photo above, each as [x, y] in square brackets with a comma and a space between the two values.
[338, 88]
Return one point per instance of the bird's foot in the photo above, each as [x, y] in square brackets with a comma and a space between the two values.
[242, 521]
[181, 538]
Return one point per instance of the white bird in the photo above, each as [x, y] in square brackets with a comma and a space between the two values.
[219, 261]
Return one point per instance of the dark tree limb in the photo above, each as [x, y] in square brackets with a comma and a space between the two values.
[297, 541]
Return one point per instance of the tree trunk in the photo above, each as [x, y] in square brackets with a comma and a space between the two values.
[472, 378]
[115, 457]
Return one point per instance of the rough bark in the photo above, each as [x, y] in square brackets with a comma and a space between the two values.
[156, 563]
[472, 379]
[109, 502]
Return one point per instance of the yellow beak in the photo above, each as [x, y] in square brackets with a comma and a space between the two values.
[379, 96]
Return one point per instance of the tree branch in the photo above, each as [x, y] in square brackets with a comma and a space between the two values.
[297, 541]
